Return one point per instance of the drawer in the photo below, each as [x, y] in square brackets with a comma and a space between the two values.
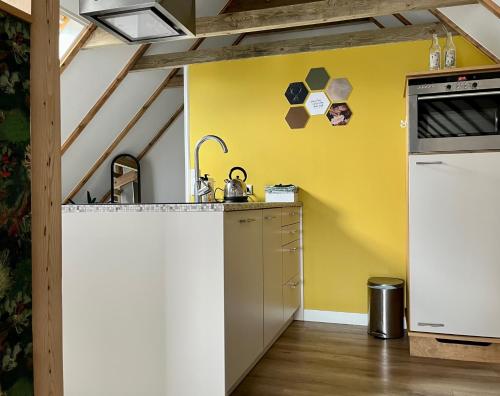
[290, 216]
[291, 296]
[290, 233]
[291, 260]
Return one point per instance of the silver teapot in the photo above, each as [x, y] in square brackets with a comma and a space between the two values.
[236, 189]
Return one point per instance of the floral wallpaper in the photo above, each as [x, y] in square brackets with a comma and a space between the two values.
[16, 352]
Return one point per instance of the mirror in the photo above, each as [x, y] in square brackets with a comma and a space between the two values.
[126, 180]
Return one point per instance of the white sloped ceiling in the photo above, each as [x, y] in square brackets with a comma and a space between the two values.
[479, 23]
[86, 79]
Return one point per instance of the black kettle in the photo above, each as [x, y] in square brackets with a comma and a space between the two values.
[236, 189]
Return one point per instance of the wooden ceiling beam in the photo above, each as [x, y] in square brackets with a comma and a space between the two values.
[251, 5]
[455, 28]
[311, 14]
[319, 43]
[297, 14]
[77, 46]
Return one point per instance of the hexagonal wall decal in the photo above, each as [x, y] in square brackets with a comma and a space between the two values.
[297, 117]
[317, 103]
[339, 114]
[317, 78]
[339, 89]
[296, 93]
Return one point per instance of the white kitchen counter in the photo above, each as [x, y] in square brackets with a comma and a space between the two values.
[175, 299]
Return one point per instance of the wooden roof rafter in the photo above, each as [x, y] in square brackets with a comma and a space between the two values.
[104, 98]
[79, 43]
[491, 6]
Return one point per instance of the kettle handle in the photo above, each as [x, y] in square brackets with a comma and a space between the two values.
[238, 168]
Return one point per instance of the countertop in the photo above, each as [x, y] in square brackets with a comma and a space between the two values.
[177, 207]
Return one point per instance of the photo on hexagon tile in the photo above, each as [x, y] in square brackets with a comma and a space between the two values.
[317, 103]
[296, 93]
[317, 78]
[339, 114]
[339, 89]
[297, 117]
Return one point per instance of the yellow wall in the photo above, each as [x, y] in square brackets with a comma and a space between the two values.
[352, 178]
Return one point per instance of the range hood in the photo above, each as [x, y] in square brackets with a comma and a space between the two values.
[142, 21]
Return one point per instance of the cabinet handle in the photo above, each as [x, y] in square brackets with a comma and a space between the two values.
[247, 220]
[429, 162]
[424, 324]
[291, 250]
[269, 217]
[292, 232]
[293, 285]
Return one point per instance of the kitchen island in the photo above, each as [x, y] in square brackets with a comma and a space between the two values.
[175, 299]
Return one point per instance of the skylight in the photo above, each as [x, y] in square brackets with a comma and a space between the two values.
[69, 31]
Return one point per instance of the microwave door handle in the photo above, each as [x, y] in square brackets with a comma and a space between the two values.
[459, 95]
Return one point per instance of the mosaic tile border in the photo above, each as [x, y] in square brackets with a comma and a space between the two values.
[163, 208]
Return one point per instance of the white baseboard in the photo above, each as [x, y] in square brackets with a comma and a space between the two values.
[311, 315]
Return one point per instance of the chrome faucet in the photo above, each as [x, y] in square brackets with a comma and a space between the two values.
[197, 178]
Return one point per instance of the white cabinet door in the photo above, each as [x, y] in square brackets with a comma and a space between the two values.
[454, 230]
[243, 291]
[273, 274]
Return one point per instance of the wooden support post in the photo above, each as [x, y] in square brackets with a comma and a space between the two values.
[46, 199]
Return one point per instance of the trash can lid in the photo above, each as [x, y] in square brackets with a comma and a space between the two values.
[386, 283]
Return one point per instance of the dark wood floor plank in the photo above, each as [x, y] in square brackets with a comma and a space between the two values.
[317, 359]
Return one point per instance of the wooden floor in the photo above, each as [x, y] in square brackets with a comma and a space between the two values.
[315, 359]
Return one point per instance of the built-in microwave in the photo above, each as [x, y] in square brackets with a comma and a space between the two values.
[454, 113]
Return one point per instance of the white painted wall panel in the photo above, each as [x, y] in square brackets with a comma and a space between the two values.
[161, 174]
[419, 17]
[163, 168]
[86, 79]
[114, 116]
[278, 36]
[477, 22]
[389, 21]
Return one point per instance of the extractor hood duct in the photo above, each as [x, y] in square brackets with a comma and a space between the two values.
[142, 21]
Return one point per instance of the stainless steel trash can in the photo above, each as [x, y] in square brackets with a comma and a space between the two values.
[386, 307]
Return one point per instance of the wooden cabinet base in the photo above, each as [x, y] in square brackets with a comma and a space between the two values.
[442, 346]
